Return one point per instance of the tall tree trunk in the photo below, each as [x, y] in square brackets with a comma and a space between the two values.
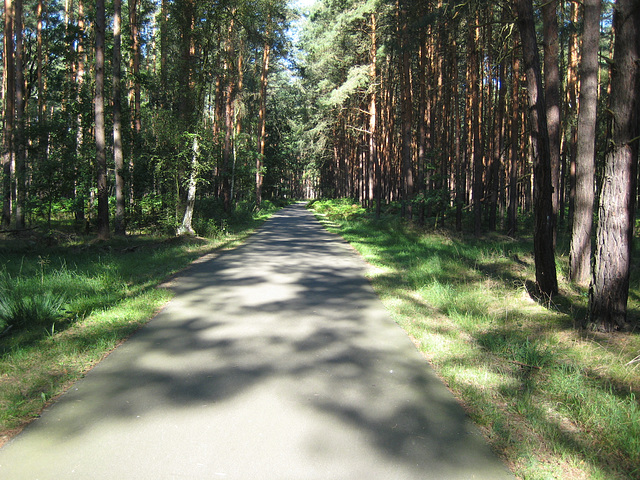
[101, 154]
[476, 144]
[406, 107]
[552, 98]
[9, 114]
[546, 278]
[79, 81]
[582, 226]
[229, 122]
[572, 102]
[164, 47]
[262, 119]
[19, 136]
[512, 211]
[134, 90]
[609, 288]
[186, 228]
[118, 155]
[373, 116]
[42, 105]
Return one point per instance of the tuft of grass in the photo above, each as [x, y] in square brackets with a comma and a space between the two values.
[554, 401]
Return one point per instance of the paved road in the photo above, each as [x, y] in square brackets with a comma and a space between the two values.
[274, 361]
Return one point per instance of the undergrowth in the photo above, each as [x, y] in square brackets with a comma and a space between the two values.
[553, 400]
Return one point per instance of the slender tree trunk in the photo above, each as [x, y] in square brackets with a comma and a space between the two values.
[262, 120]
[373, 116]
[101, 155]
[164, 47]
[406, 108]
[134, 91]
[476, 144]
[118, 155]
[580, 255]
[42, 108]
[572, 102]
[186, 228]
[79, 80]
[552, 97]
[543, 206]
[228, 140]
[512, 211]
[609, 288]
[19, 137]
[9, 114]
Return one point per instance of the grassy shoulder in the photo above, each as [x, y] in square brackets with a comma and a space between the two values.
[64, 307]
[554, 401]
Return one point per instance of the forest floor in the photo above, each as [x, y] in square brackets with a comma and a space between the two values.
[557, 400]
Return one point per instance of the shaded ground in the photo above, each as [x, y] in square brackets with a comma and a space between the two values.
[276, 361]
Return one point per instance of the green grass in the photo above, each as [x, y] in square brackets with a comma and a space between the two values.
[63, 308]
[553, 401]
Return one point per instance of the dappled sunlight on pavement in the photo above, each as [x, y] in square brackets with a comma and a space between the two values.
[274, 361]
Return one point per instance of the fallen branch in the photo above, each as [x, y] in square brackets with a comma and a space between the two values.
[525, 364]
[635, 360]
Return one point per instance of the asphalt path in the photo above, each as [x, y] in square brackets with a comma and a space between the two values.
[274, 361]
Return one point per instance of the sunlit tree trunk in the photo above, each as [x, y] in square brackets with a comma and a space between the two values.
[406, 107]
[475, 142]
[186, 227]
[42, 105]
[101, 154]
[610, 285]
[512, 210]
[552, 98]
[9, 114]
[118, 155]
[373, 116]
[229, 121]
[543, 208]
[19, 135]
[262, 118]
[580, 255]
[572, 103]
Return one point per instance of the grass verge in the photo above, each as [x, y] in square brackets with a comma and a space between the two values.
[553, 401]
[63, 308]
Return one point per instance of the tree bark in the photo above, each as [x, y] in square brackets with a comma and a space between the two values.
[552, 98]
[262, 119]
[373, 117]
[609, 288]
[546, 279]
[186, 228]
[512, 210]
[406, 109]
[118, 155]
[582, 225]
[101, 156]
[476, 144]
[19, 135]
[9, 113]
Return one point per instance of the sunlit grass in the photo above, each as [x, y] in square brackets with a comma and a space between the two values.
[103, 293]
[554, 401]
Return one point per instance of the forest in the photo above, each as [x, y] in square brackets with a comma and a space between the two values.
[163, 116]
[476, 150]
